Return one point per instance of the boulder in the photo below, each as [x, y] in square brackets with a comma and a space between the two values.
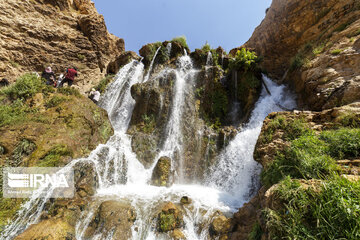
[220, 225]
[54, 229]
[170, 218]
[112, 217]
[161, 175]
[120, 61]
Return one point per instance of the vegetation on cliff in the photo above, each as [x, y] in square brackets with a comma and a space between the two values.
[45, 127]
[311, 173]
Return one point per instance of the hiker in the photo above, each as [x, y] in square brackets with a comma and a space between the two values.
[49, 76]
[94, 95]
[4, 82]
[70, 75]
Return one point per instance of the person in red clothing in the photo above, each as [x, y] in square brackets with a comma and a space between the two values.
[70, 75]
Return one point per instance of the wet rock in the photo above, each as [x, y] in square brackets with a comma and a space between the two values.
[169, 218]
[144, 145]
[161, 175]
[177, 234]
[220, 225]
[185, 200]
[121, 61]
[86, 180]
[49, 229]
[114, 218]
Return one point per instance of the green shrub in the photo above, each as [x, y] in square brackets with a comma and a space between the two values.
[68, 91]
[101, 87]
[206, 48]
[351, 35]
[181, 40]
[149, 123]
[350, 120]
[25, 87]
[343, 143]
[297, 62]
[14, 113]
[244, 60]
[256, 232]
[81, 57]
[307, 157]
[328, 211]
[336, 52]
[55, 101]
[292, 128]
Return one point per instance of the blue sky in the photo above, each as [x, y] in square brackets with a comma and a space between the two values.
[226, 23]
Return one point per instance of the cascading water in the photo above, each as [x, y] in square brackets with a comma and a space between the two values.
[122, 177]
[151, 65]
[209, 59]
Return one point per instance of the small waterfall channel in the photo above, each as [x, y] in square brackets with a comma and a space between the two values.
[122, 177]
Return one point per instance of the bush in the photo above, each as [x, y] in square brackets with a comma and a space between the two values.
[307, 158]
[297, 62]
[101, 87]
[292, 128]
[343, 143]
[328, 211]
[206, 48]
[336, 52]
[181, 40]
[55, 101]
[68, 91]
[244, 60]
[25, 87]
[14, 113]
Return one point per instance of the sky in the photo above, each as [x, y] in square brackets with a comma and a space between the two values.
[226, 23]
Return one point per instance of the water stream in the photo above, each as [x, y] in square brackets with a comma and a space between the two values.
[231, 182]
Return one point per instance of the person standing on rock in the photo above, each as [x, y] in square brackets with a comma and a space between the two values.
[70, 75]
[94, 95]
[49, 76]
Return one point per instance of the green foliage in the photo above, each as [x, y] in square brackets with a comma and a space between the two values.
[166, 222]
[336, 52]
[327, 211]
[256, 232]
[15, 113]
[297, 61]
[307, 157]
[81, 57]
[244, 60]
[54, 156]
[181, 40]
[68, 91]
[101, 87]
[319, 49]
[206, 47]
[25, 87]
[343, 143]
[292, 128]
[219, 106]
[149, 123]
[55, 101]
[350, 120]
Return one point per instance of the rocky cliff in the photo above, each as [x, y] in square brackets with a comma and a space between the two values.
[314, 46]
[61, 33]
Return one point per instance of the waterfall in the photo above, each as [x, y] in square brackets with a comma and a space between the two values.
[237, 167]
[122, 177]
[168, 48]
[209, 59]
[151, 65]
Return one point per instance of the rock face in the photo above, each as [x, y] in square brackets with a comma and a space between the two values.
[114, 218]
[314, 46]
[161, 175]
[62, 33]
[170, 218]
[278, 131]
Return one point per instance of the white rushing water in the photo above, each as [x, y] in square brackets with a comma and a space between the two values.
[152, 64]
[122, 177]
